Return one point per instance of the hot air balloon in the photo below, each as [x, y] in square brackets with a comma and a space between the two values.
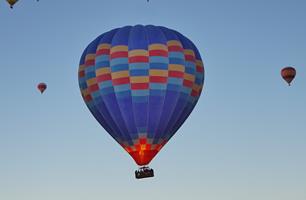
[12, 2]
[42, 87]
[288, 74]
[141, 83]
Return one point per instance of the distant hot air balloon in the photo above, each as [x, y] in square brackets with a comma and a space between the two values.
[141, 83]
[12, 2]
[42, 87]
[288, 74]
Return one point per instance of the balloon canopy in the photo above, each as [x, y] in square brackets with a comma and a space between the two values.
[141, 83]
[11, 2]
[42, 87]
[288, 74]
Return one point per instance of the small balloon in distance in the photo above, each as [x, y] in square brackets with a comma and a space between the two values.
[288, 74]
[11, 2]
[42, 87]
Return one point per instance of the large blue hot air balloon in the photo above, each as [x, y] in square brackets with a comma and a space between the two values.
[141, 83]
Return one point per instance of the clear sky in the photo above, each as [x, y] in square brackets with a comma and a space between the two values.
[245, 140]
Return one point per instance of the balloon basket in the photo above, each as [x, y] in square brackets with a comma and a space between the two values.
[144, 172]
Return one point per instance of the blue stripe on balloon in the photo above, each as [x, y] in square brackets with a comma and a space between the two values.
[89, 69]
[159, 66]
[158, 86]
[172, 87]
[118, 61]
[139, 72]
[106, 91]
[139, 66]
[178, 61]
[95, 95]
[122, 88]
[198, 81]
[122, 95]
[176, 55]
[158, 59]
[101, 58]
[102, 64]
[157, 93]
[90, 75]
[105, 84]
[120, 67]
[140, 99]
[176, 81]
[140, 93]
[83, 85]
[186, 90]
[190, 69]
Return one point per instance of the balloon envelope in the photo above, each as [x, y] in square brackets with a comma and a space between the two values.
[288, 74]
[12, 2]
[141, 83]
[41, 87]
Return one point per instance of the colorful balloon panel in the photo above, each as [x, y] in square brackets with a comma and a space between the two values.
[141, 83]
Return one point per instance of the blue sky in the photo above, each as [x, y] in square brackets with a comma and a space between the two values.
[244, 140]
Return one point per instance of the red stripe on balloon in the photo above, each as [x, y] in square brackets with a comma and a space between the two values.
[103, 52]
[138, 59]
[188, 83]
[104, 77]
[142, 141]
[93, 88]
[87, 98]
[194, 93]
[158, 53]
[81, 74]
[189, 58]
[158, 79]
[176, 74]
[200, 68]
[121, 81]
[89, 63]
[175, 48]
[139, 86]
[119, 54]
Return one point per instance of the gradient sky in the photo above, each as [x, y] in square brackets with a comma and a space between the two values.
[245, 140]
